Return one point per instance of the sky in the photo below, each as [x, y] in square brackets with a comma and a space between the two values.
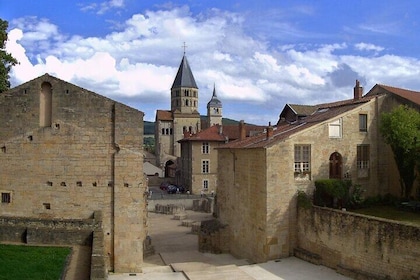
[259, 55]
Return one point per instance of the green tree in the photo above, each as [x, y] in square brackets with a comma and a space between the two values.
[7, 60]
[401, 130]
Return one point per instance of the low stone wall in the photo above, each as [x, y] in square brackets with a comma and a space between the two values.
[205, 204]
[84, 232]
[359, 246]
[213, 237]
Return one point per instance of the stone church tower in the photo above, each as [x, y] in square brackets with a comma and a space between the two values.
[183, 117]
[214, 110]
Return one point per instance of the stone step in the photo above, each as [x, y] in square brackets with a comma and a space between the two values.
[160, 268]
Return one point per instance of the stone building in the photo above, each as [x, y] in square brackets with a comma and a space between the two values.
[259, 176]
[198, 162]
[184, 117]
[67, 152]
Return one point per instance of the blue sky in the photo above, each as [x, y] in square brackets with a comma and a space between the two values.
[259, 54]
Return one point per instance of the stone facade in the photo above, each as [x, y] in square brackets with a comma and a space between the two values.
[192, 161]
[259, 176]
[67, 152]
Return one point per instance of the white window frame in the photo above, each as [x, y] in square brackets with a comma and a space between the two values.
[205, 149]
[335, 129]
[205, 166]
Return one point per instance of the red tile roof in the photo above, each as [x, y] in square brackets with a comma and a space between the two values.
[410, 95]
[164, 115]
[228, 132]
[285, 129]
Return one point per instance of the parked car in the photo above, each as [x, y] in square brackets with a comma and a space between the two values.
[172, 189]
[175, 189]
[164, 186]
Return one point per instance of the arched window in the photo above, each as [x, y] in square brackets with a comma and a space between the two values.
[45, 105]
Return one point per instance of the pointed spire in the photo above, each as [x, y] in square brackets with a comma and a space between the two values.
[214, 90]
[214, 101]
[184, 76]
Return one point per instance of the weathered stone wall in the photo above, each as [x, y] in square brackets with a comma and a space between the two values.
[242, 201]
[85, 232]
[360, 246]
[89, 159]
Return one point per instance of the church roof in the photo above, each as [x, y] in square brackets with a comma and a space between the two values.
[164, 115]
[214, 101]
[184, 76]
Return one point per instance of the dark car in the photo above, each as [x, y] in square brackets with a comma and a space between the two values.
[172, 189]
[164, 186]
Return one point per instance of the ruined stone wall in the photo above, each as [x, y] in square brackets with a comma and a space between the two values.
[89, 159]
[359, 246]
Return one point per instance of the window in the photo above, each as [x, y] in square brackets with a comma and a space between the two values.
[205, 166]
[362, 122]
[163, 131]
[206, 184]
[363, 159]
[205, 149]
[6, 197]
[302, 158]
[334, 129]
[45, 105]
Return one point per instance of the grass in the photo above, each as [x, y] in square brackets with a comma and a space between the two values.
[32, 262]
[392, 213]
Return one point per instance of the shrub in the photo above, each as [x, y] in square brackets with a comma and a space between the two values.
[332, 193]
[303, 200]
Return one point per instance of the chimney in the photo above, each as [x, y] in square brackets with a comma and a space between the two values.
[242, 131]
[269, 131]
[220, 129]
[358, 91]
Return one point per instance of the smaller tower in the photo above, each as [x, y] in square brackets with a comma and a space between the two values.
[214, 110]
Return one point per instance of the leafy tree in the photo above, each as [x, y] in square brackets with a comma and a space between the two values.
[401, 130]
[7, 60]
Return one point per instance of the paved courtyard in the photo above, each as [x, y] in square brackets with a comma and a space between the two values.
[177, 257]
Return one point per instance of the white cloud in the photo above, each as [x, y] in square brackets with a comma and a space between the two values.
[103, 7]
[139, 62]
[368, 47]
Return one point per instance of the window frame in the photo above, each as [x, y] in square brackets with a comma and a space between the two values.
[205, 166]
[363, 118]
[363, 160]
[205, 184]
[336, 124]
[6, 197]
[302, 158]
[205, 148]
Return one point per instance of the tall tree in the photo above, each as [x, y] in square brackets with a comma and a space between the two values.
[7, 60]
[401, 130]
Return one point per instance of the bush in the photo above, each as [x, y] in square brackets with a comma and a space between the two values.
[303, 200]
[332, 193]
